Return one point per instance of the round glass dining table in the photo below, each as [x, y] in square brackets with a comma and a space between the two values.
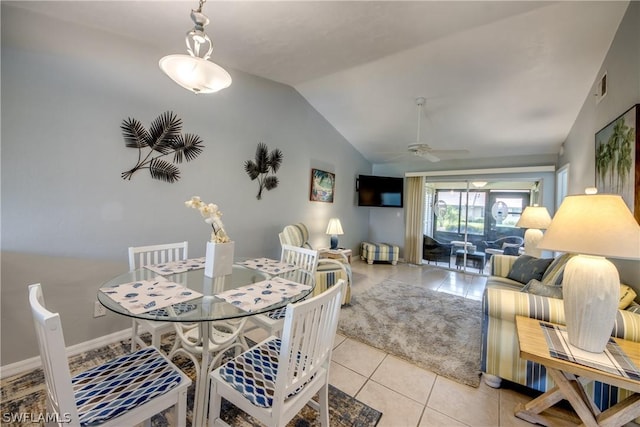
[208, 307]
[204, 309]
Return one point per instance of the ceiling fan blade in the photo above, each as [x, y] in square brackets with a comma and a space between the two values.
[449, 152]
[429, 156]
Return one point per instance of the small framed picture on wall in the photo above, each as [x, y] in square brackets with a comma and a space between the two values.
[322, 186]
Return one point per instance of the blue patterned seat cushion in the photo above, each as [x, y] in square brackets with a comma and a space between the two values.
[180, 308]
[253, 373]
[108, 391]
[277, 314]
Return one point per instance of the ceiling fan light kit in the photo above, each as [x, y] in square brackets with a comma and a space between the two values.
[194, 71]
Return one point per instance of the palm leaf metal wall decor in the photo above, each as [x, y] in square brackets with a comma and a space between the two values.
[264, 164]
[162, 139]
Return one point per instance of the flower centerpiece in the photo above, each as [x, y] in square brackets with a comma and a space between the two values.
[211, 215]
[220, 248]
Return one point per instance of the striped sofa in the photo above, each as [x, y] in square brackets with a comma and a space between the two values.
[371, 252]
[502, 302]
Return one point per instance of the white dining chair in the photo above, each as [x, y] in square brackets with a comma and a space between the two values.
[275, 379]
[307, 261]
[329, 269]
[140, 256]
[125, 391]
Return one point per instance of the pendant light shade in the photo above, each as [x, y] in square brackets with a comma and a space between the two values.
[196, 74]
[194, 71]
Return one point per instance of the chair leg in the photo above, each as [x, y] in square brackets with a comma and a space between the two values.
[181, 409]
[156, 338]
[323, 395]
[134, 334]
[215, 405]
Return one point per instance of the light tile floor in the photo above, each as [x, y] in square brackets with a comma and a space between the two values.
[409, 396]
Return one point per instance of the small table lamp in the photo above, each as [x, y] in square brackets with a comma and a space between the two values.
[334, 229]
[534, 219]
[594, 226]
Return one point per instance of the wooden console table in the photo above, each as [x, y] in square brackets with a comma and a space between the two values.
[570, 378]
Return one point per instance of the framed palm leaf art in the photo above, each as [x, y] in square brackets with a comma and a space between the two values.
[618, 159]
[322, 186]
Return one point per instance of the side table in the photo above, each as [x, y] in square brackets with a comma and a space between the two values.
[570, 379]
[339, 253]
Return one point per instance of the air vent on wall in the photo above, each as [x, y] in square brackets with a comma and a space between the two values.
[601, 89]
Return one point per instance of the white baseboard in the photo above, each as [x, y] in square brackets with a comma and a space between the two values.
[35, 362]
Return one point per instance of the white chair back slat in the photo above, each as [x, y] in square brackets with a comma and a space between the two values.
[307, 341]
[305, 259]
[139, 256]
[54, 357]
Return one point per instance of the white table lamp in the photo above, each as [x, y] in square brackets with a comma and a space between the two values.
[334, 229]
[594, 226]
[534, 219]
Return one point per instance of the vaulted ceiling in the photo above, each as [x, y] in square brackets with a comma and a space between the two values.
[500, 78]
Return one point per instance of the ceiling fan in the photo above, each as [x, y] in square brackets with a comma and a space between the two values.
[422, 149]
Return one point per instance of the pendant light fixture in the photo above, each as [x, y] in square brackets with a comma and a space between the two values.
[194, 71]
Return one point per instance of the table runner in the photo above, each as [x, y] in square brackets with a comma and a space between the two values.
[612, 359]
[269, 266]
[259, 295]
[180, 266]
[147, 295]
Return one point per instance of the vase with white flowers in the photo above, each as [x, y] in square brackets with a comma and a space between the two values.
[220, 248]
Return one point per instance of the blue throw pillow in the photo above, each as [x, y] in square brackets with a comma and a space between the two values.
[527, 268]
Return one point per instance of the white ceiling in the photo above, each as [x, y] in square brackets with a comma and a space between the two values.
[500, 78]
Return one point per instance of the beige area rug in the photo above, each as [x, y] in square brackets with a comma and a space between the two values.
[434, 330]
[25, 394]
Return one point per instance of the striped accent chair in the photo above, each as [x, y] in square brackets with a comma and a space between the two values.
[371, 252]
[329, 270]
[502, 302]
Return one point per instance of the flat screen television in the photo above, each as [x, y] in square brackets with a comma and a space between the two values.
[380, 191]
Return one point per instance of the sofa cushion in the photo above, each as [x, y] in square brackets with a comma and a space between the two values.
[554, 274]
[538, 288]
[633, 308]
[526, 268]
[627, 295]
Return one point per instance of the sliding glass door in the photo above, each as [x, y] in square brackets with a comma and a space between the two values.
[459, 213]
[465, 216]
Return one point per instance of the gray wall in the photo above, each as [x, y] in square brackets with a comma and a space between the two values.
[622, 64]
[68, 217]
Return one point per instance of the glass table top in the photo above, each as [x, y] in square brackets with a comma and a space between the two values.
[208, 307]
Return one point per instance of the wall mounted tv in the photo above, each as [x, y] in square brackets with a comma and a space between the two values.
[380, 191]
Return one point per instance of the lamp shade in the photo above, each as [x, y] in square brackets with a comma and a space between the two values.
[534, 217]
[196, 74]
[599, 224]
[334, 227]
